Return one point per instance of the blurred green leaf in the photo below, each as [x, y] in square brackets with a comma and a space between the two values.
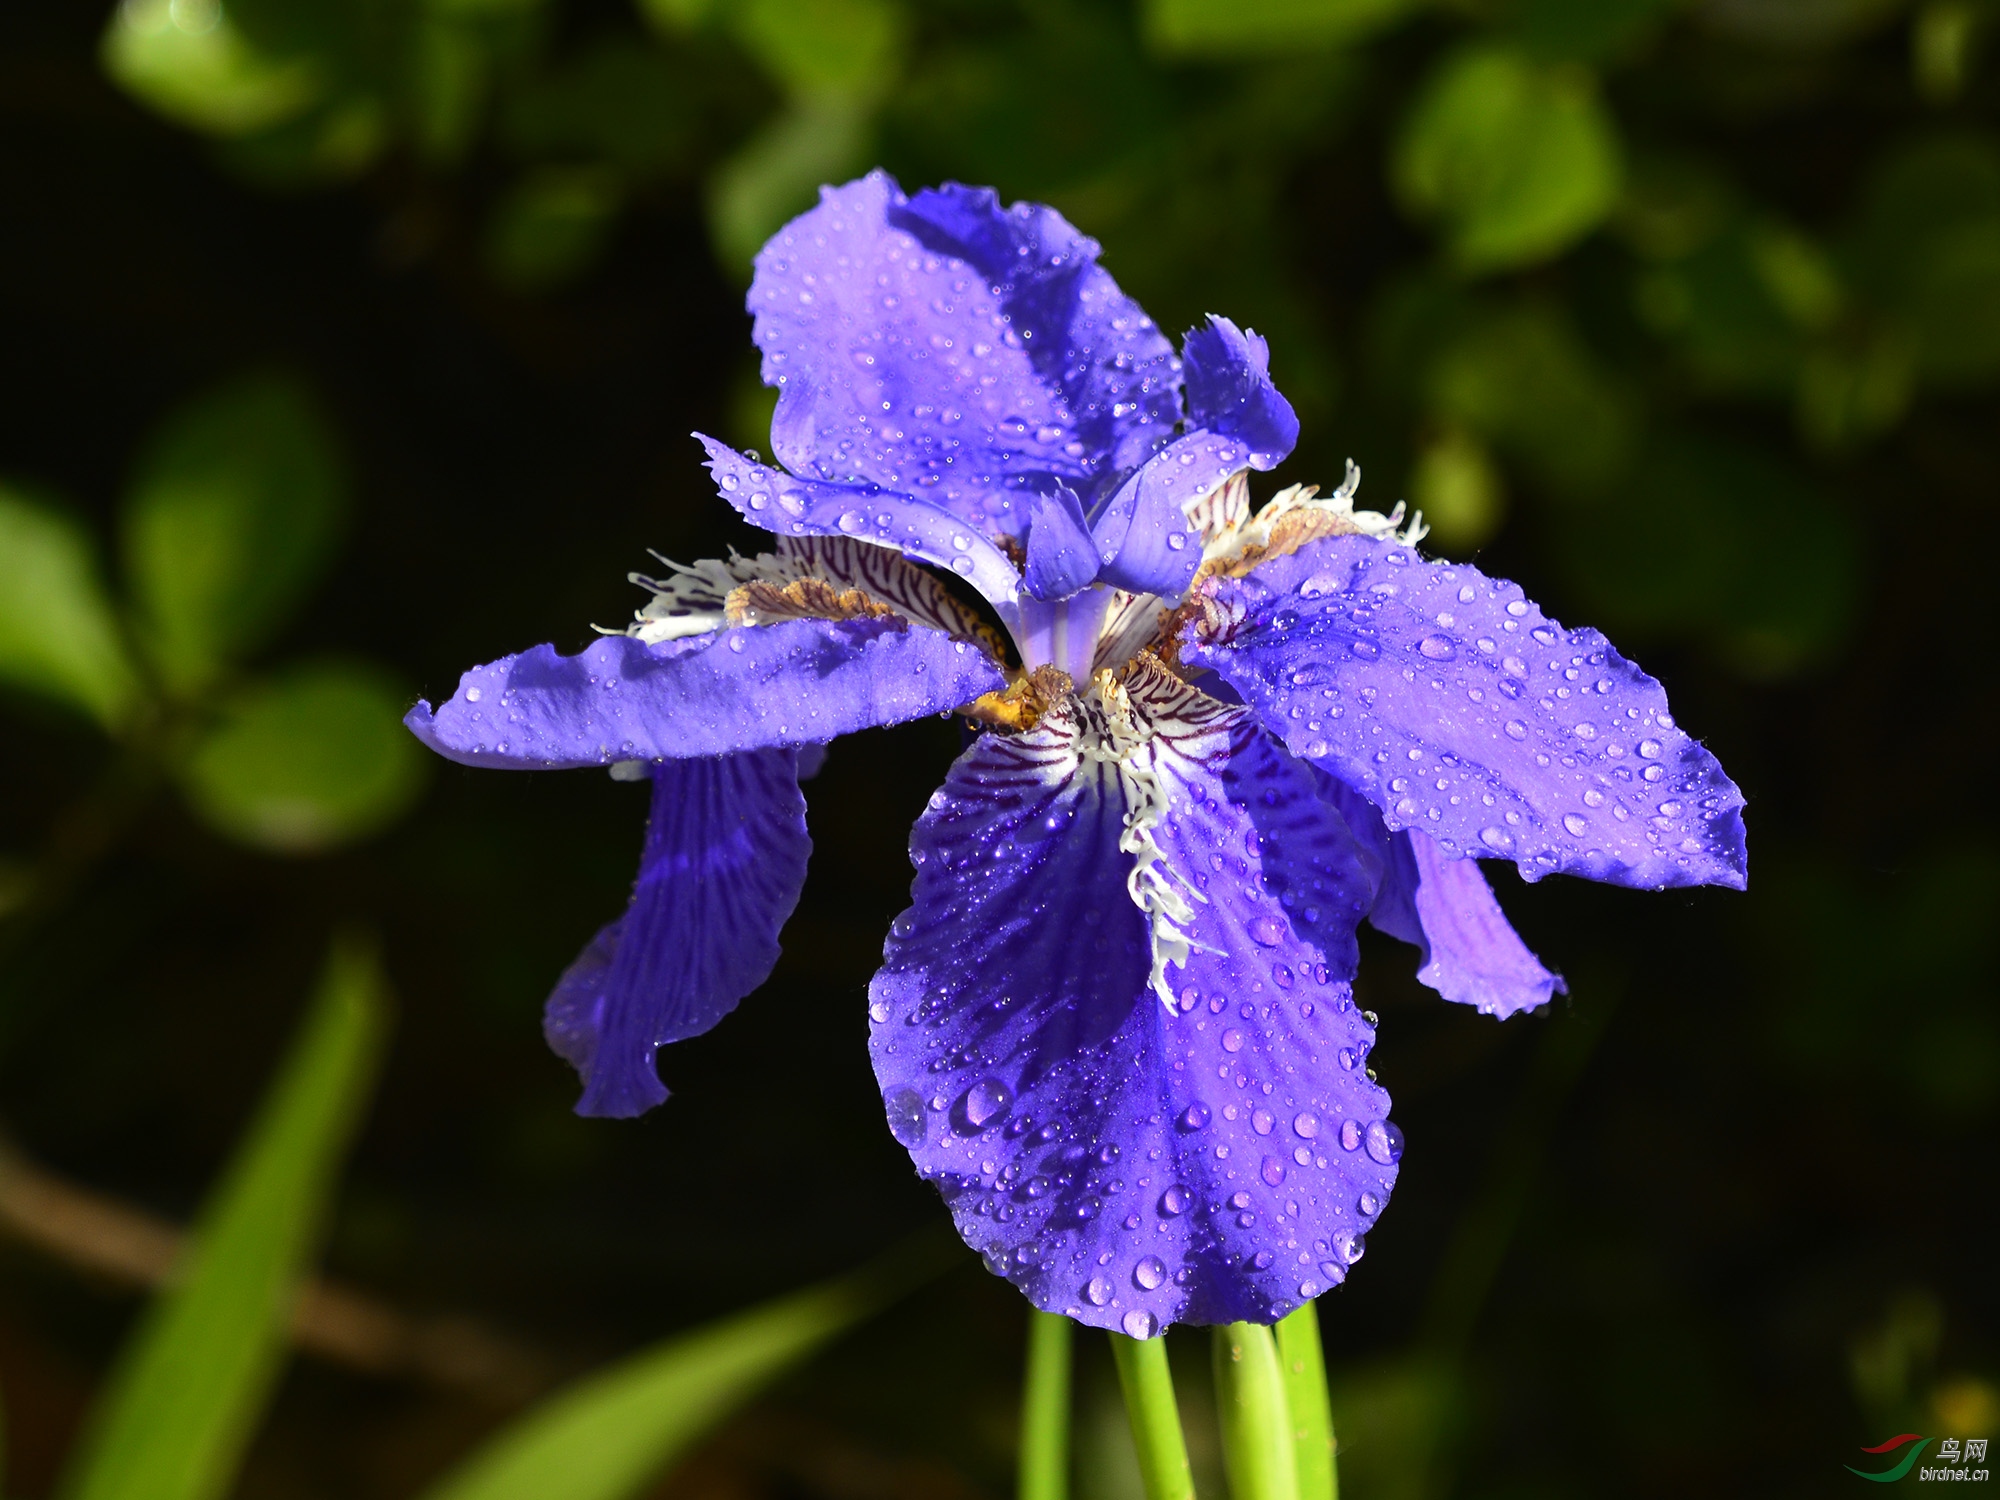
[1585, 30]
[607, 1435]
[448, 78]
[1811, 24]
[552, 226]
[1927, 246]
[839, 50]
[1521, 377]
[313, 759]
[185, 1396]
[778, 174]
[187, 60]
[232, 515]
[58, 634]
[1516, 160]
[1721, 540]
[619, 102]
[1248, 27]
[1457, 487]
[1396, 1423]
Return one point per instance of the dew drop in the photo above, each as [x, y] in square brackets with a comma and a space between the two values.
[1150, 1274]
[1140, 1324]
[905, 1108]
[986, 1101]
[1385, 1142]
[1098, 1291]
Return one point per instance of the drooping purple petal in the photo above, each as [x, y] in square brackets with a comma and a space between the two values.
[1061, 556]
[1229, 391]
[1470, 952]
[1124, 1162]
[1143, 534]
[776, 501]
[946, 347]
[793, 683]
[724, 862]
[1456, 707]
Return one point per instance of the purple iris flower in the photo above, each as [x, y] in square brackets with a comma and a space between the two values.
[1115, 1026]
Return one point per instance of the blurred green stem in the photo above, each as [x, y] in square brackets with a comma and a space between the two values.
[1304, 1366]
[1257, 1443]
[1156, 1421]
[1045, 1409]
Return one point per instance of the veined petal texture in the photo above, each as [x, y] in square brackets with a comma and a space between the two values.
[724, 862]
[778, 502]
[754, 687]
[1453, 704]
[947, 347]
[1127, 1160]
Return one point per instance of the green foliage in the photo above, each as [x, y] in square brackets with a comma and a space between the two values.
[1515, 159]
[848, 50]
[189, 1387]
[1717, 539]
[607, 1435]
[1927, 248]
[309, 760]
[551, 225]
[232, 515]
[1250, 27]
[58, 633]
[188, 60]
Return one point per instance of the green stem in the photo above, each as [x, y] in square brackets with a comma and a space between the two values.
[1045, 1409]
[1257, 1445]
[1156, 1421]
[1304, 1365]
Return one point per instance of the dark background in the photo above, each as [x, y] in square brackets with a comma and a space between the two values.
[1707, 1226]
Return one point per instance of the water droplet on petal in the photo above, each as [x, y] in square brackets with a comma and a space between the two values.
[1385, 1142]
[1140, 1324]
[1150, 1273]
[905, 1108]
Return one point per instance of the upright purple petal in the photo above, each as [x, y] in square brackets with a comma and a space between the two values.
[946, 347]
[1147, 543]
[756, 687]
[776, 501]
[1444, 907]
[1128, 1162]
[1229, 391]
[724, 862]
[1456, 707]
[1062, 559]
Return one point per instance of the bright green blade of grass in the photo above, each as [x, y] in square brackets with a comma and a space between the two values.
[1045, 1401]
[1155, 1417]
[181, 1404]
[610, 1433]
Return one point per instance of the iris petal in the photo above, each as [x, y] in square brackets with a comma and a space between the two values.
[1127, 1162]
[944, 346]
[724, 862]
[1455, 706]
[1061, 556]
[1443, 906]
[797, 682]
[1229, 391]
[778, 502]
